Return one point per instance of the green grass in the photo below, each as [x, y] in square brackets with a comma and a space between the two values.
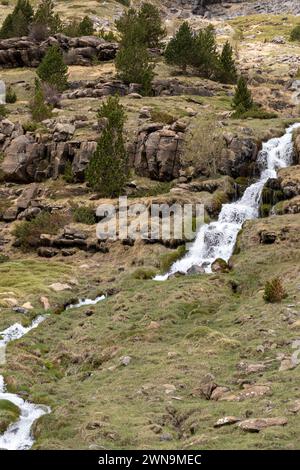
[9, 413]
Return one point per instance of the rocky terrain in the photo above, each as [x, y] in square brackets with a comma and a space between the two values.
[200, 361]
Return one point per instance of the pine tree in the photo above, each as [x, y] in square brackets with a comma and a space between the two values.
[86, 27]
[152, 26]
[242, 100]
[228, 73]
[180, 49]
[133, 61]
[45, 16]
[205, 56]
[39, 109]
[17, 23]
[107, 171]
[53, 70]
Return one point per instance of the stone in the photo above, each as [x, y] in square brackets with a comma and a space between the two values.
[63, 132]
[153, 325]
[295, 407]
[249, 392]
[59, 287]
[220, 266]
[27, 306]
[45, 302]
[125, 360]
[165, 437]
[10, 214]
[258, 424]
[226, 421]
[28, 194]
[46, 252]
[195, 269]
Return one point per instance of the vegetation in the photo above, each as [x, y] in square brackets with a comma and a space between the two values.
[84, 215]
[18, 22]
[53, 70]
[9, 413]
[76, 28]
[274, 291]
[228, 73]
[180, 49]
[295, 34]
[45, 21]
[133, 61]
[107, 171]
[11, 96]
[3, 111]
[242, 100]
[28, 232]
[40, 110]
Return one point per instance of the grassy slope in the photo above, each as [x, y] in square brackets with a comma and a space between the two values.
[72, 362]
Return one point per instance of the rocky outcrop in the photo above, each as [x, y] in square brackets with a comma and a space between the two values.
[25, 52]
[32, 158]
[157, 151]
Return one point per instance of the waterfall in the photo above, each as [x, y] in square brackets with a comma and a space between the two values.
[218, 239]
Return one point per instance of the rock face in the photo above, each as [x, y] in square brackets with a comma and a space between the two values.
[28, 159]
[156, 153]
[25, 52]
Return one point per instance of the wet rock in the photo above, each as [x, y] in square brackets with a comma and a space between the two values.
[195, 269]
[220, 266]
[258, 424]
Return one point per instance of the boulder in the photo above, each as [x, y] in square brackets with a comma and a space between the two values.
[258, 424]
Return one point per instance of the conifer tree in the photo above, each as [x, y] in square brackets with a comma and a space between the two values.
[180, 48]
[133, 61]
[227, 73]
[17, 23]
[152, 26]
[107, 171]
[205, 55]
[53, 70]
[86, 27]
[46, 17]
[39, 109]
[242, 100]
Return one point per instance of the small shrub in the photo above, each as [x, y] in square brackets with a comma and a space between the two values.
[168, 259]
[144, 274]
[162, 116]
[295, 34]
[28, 233]
[3, 111]
[68, 175]
[3, 258]
[30, 126]
[84, 215]
[274, 291]
[11, 96]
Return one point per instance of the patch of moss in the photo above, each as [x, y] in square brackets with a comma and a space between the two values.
[9, 413]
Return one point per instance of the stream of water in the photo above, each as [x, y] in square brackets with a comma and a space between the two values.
[18, 435]
[218, 239]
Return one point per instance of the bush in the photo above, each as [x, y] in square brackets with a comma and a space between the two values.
[144, 274]
[107, 171]
[45, 21]
[68, 175]
[30, 126]
[168, 259]
[162, 116]
[3, 111]
[295, 34]
[28, 233]
[3, 258]
[77, 28]
[11, 96]
[84, 215]
[274, 291]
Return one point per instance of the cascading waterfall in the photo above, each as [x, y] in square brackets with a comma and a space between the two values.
[18, 435]
[218, 239]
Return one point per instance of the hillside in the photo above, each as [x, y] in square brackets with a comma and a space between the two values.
[205, 359]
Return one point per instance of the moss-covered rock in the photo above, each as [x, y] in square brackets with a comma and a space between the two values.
[9, 413]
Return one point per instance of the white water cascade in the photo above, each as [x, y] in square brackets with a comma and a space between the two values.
[18, 435]
[218, 239]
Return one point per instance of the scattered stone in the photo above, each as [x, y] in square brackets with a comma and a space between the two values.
[89, 312]
[227, 420]
[166, 437]
[153, 325]
[169, 388]
[59, 287]
[195, 269]
[249, 391]
[125, 360]
[27, 306]
[21, 310]
[257, 424]
[45, 252]
[295, 408]
[45, 302]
